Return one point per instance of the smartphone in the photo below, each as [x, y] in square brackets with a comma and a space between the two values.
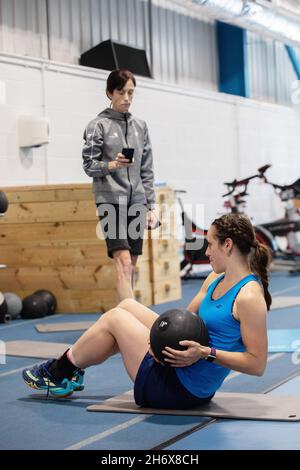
[128, 153]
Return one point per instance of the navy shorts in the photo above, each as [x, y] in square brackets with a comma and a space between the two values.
[158, 386]
[123, 227]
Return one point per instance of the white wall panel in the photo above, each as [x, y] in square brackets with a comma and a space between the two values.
[23, 96]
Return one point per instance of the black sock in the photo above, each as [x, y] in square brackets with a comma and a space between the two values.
[62, 368]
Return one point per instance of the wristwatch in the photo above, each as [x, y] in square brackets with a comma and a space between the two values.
[212, 355]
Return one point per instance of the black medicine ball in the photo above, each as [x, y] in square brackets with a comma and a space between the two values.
[49, 298]
[34, 307]
[176, 325]
[4, 315]
[3, 202]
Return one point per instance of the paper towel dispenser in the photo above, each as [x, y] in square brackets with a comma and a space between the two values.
[33, 131]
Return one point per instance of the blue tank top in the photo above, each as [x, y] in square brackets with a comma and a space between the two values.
[204, 378]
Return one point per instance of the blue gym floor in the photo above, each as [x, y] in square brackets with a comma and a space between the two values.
[30, 421]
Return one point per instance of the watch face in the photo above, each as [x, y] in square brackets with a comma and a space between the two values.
[211, 358]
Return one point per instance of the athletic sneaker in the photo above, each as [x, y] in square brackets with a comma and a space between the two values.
[77, 380]
[39, 378]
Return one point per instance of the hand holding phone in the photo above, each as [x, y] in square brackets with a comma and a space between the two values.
[153, 221]
[128, 153]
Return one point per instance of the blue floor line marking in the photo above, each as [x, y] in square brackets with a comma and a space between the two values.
[242, 435]
[292, 387]
[287, 340]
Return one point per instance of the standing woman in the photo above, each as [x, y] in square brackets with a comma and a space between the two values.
[123, 191]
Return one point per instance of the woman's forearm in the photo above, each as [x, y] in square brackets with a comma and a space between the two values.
[241, 362]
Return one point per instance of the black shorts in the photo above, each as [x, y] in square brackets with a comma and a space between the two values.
[123, 227]
[158, 386]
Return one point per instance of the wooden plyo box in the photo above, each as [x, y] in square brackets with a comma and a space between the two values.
[164, 259]
[48, 239]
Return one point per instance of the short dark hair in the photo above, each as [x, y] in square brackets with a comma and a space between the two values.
[117, 79]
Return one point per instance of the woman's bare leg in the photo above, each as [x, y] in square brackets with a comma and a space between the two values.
[124, 269]
[144, 314]
[134, 259]
[117, 330]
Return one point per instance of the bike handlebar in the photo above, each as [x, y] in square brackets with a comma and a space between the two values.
[263, 169]
[295, 187]
[235, 183]
[281, 187]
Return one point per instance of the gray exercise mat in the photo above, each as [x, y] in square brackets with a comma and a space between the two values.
[68, 326]
[284, 302]
[224, 405]
[38, 349]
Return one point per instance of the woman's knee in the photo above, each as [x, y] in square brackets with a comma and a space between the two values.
[113, 316]
[126, 304]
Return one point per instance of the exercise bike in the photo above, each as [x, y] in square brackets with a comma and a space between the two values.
[194, 245]
[289, 225]
[195, 242]
[267, 233]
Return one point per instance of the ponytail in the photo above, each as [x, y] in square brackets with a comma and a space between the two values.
[260, 258]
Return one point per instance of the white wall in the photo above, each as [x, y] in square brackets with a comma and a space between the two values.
[200, 139]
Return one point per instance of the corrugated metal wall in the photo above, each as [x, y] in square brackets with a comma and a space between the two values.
[181, 45]
[23, 27]
[271, 73]
[73, 26]
[77, 25]
[184, 47]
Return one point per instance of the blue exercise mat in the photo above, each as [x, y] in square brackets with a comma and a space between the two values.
[284, 340]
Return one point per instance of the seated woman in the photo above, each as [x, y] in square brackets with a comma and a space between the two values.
[233, 302]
